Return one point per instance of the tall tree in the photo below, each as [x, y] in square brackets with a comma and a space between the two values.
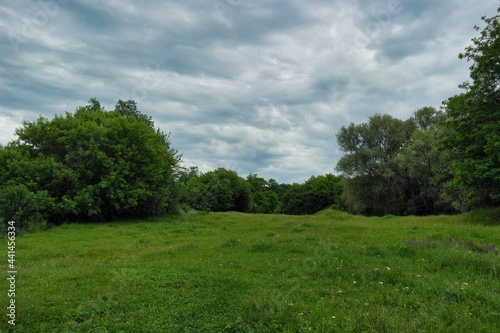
[474, 118]
[425, 165]
[373, 177]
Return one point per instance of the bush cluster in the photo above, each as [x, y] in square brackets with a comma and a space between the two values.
[92, 165]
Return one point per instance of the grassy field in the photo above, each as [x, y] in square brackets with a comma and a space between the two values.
[232, 272]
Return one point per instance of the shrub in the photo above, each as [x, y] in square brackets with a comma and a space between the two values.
[28, 209]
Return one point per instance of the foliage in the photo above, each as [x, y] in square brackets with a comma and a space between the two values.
[426, 166]
[263, 199]
[398, 167]
[373, 183]
[129, 108]
[182, 177]
[219, 190]
[30, 210]
[474, 119]
[314, 195]
[223, 190]
[93, 164]
[486, 217]
[265, 202]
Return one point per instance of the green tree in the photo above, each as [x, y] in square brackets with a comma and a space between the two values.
[474, 119]
[183, 177]
[293, 202]
[317, 193]
[129, 108]
[265, 202]
[256, 183]
[374, 183]
[263, 199]
[279, 189]
[219, 190]
[425, 166]
[94, 164]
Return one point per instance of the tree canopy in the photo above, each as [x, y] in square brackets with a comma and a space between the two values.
[218, 191]
[317, 193]
[393, 166]
[373, 181]
[90, 165]
[474, 118]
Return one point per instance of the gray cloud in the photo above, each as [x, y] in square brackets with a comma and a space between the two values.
[255, 86]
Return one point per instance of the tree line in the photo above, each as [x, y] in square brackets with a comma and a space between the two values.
[223, 190]
[96, 164]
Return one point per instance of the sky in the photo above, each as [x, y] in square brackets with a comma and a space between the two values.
[257, 86]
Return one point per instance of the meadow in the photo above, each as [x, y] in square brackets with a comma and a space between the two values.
[235, 272]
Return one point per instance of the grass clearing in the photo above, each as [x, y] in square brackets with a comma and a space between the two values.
[234, 272]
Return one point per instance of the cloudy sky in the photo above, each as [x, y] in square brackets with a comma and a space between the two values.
[256, 86]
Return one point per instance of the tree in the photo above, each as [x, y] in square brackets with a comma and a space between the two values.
[279, 189]
[263, 198]
[264, 202]
[182, 178]
[293, 200]
[474, 119]
[256, 183]
[219, 190]
[94, 165]
[373, 179]
[317, 193]
[129, 108]
[425, 165]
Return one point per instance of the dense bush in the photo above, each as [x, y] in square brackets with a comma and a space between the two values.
[29, 210]
[314, 195]
[219, 190]
[90, 165]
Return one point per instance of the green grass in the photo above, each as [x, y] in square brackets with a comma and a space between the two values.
[232, 272]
